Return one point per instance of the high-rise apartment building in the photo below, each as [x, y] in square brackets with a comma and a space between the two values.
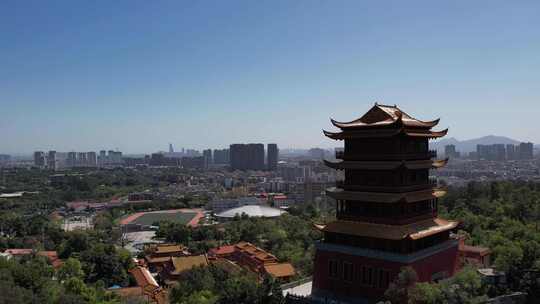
[91, 159]
[71, 159]
[39, 159]
[52, 160]
[525, 150]
[511, 152]
[221, 156]
[450, 151]
[207, 155]
[272, 156]
[495, 152]
[247, 156]
[81, 159]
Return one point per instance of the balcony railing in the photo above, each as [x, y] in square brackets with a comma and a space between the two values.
[432, 153]
[433, 181]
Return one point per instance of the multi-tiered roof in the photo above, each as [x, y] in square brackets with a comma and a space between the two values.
[397, 129]
[385, 121]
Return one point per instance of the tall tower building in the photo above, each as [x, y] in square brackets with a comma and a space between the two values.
[81, 159]
[102, 159]
[272, 157]
[221, 156]
[525, 150]
[39, 159]
[386, 209]
[52, 161]
[91, 159]
[247, 156]
[171, 150]
[256, 156]
[510, 152]
[207, 155]
[71, 159]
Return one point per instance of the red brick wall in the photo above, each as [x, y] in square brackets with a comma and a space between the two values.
[425, 268]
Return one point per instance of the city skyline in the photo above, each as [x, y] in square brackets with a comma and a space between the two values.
[136, 77]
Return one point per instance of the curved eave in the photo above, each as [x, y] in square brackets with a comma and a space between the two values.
[406, 121]
[352, 134]
[386, 165]
[430, 134]
[380, 197]
[443, 226]
[332, 135]
[414, 231]
[358, 124]
[432, 123]
[365, 165]
[439, 163]
[413, 122]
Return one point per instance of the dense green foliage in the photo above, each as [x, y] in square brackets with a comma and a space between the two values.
[289, 237]
[32, 280]
[209, 285]
[465, 287]
[503, 216]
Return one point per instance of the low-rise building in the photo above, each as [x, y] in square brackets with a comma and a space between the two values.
[180, 265]
[261, 262]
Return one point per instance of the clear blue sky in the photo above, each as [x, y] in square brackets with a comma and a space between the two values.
[136, 75]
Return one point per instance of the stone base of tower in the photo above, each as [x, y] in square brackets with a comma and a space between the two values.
[349, 274]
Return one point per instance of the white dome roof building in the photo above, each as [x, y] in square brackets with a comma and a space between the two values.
[250, 210]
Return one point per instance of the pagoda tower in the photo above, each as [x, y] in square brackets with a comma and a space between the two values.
[386, 209]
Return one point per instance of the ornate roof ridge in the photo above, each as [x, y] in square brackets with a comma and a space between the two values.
[384, 115]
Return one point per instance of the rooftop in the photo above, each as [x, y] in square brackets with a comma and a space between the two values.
[383, 197]
[222, 250]
[162, 248]
[281, 270]
[185, 263]
[415, 231]
[252, 211]
[384, 121]
[143, 277]
[255, 252]
[384, 115]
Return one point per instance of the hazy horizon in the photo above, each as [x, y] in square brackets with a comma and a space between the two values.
[139, 75]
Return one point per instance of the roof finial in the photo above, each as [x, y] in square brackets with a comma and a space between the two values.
[376, 103]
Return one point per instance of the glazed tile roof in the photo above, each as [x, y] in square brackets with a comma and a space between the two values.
[161, 249]
[222, 250]
[151, 259]
[414, 231]
[280, 270]
[255, 252]
[185, 263]
[143, 277]
[384, 115]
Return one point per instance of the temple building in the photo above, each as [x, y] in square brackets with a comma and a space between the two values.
[386, 209]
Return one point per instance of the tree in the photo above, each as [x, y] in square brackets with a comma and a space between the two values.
[70, 269]
[465, 287]
[272, 293]
[398, 291]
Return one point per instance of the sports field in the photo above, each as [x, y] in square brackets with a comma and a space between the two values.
[183, 216]
[178, 217]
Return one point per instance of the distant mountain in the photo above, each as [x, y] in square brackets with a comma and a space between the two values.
[465, 146]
